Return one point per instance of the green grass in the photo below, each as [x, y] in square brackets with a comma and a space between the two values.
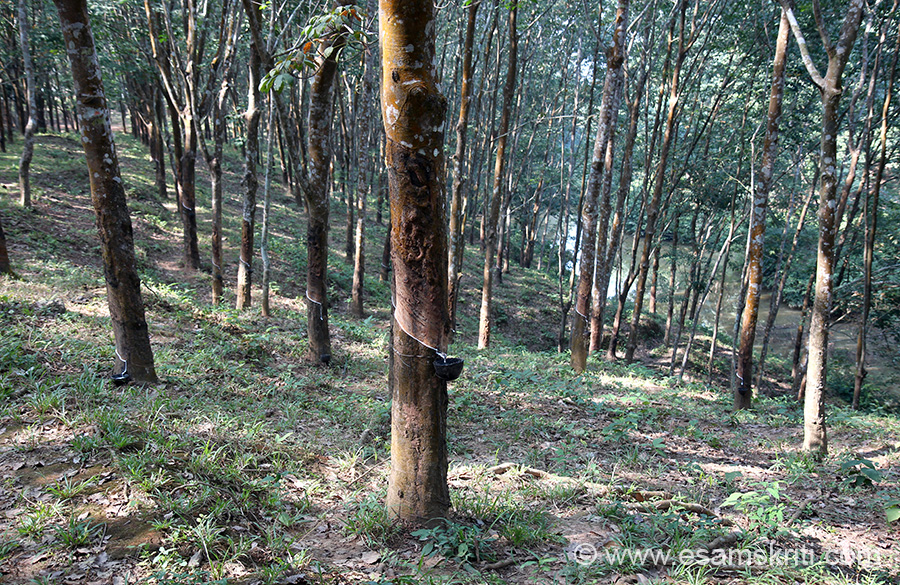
[246, 462]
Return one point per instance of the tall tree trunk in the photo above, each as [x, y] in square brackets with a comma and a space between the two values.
[654, 280]
[414, 111]
[744, 394]
[158, 147]
[188, 195]
[602, 271]
[321, 111]
[364, 178]
[251, 182]
[123, 287]
[815, 438]
[485, 319]
[265, 309]
[28, 146]
[600, 163]
[673, 267]
[871, 225]
[618, 224]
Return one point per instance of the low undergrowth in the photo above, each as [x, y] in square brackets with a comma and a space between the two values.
[248, 465]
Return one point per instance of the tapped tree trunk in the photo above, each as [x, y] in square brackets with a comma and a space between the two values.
[815, 438]
[28, 140]
[321, 111]
[134, 356]
[251, 182]
[490, 248]
[744, 393]
[413, 111]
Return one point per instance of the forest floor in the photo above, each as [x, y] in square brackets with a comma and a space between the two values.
[248, 465]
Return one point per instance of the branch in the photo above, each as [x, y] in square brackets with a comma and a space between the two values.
[823, 32]
[801, 43]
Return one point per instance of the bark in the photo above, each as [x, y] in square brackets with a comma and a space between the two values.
[744, 394]
[602, 272]
[321, 102]
[265, 309]
[134, 356]
[673, 268]
[319, 149]
[28, 139]
[413, 111]
[214, 164]
[251, 182]
[815, 438]
[485, 319]
[158, 147]
[601, 163]
[654, 271]
[5, 267]
[386, 257]
[871, 228]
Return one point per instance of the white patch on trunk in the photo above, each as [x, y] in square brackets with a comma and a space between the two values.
[392, 114]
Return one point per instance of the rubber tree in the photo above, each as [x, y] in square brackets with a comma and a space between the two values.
[364, 175]
[28, 139]
[815, 439]
[321, 112]
[250, 180]
[134, 355]
[490, 245]
[188, 74]
[871, 226]
[744, 392]
[456, 200]
[414, 110]
[601, 167]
